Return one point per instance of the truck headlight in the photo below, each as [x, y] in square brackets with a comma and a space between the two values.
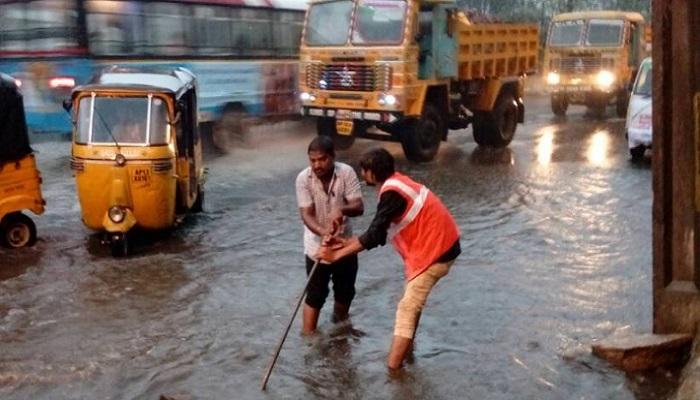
[605, 79]
[116, 214]
[387, 99]
[553, 78]
[305, 96]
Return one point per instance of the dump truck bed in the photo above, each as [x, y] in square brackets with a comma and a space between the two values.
[495, 50]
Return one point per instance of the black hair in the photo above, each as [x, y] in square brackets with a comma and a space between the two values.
[324, 144]
[379, 162]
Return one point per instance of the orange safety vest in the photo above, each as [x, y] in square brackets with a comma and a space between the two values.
[425, 231]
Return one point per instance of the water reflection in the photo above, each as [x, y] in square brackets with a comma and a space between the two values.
[545, 145]
[598, 146]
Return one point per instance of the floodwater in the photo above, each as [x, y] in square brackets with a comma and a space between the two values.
[556, 238]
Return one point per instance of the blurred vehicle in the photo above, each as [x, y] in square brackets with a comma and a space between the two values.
[136, 154]
[591, 58]
[411, 70]
[638, 123]
[20, 181]
[243, 51]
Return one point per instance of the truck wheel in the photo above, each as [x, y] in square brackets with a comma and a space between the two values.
[497, 128]
[421, 137]
[18, 230]
[326, 127]
[621, 103]
[559, 105]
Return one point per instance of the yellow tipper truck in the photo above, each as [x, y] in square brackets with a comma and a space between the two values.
[407, 71]
[592, 57]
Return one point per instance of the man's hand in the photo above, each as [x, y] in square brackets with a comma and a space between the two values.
[337, 221]
[326, 253]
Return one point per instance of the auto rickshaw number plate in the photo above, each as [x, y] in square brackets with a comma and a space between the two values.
[141, 176]
[344, 127]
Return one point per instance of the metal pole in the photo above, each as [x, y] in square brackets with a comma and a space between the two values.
[286, 331]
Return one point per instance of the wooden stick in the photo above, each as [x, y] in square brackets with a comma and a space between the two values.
[286, 331]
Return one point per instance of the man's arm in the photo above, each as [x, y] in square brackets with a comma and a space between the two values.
[308, 215]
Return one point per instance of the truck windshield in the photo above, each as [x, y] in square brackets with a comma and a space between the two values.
[379, 21]
[104, 120]
[643, 85]
[566, 33]
[604, 32]
[328, 23]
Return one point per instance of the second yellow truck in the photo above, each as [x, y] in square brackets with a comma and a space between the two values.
[407, 71]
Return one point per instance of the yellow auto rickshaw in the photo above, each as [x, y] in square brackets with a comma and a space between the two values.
[20, 181]
[137, 153]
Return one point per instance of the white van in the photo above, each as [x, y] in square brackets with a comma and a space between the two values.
[638, 123]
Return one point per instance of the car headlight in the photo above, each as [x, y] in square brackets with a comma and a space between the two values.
[553, 78]
[605, 79]
[116, 214]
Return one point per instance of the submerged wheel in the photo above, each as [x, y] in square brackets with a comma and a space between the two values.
[18, 230]
[326, 127]
[198, 205]
[559, 105]
[637, 153]
[229, 131]
[497, 128]
[421, 138]
[621, 103]
[120, 246]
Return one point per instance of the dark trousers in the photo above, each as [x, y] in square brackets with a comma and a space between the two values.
[343, 274]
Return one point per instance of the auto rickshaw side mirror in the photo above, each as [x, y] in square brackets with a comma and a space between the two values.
[67, 105]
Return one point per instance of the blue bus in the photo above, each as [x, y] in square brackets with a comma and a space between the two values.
[243, 52]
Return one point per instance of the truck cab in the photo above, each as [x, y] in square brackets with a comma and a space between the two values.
[407, 71]
[591, 59]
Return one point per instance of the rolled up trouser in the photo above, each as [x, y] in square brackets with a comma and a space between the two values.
[414, 297]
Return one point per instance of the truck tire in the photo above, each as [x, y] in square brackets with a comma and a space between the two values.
[326, 127]
[229, 131]
[621, 103]
[421, 137]
[559, 105]
[497, 127]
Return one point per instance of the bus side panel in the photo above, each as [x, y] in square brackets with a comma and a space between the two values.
[264, 88]
[44, 85]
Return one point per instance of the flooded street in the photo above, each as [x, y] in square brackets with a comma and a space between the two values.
[556, 239]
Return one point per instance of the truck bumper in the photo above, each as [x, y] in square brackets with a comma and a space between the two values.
[364, 115]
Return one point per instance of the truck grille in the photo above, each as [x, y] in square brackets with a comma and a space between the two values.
[350, 77]
[580, 64]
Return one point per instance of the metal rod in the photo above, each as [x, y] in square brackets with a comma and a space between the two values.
[286, 331]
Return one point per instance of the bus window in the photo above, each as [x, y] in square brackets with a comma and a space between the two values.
[212, 28]
[113, 27]
[251, 32]
[38, 25]
[286, 30]
[166, 27]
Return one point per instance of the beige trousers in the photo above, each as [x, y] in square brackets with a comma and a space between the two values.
[414, 297]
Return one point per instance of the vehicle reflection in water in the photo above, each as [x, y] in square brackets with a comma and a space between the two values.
[545, 144]
[598, 146]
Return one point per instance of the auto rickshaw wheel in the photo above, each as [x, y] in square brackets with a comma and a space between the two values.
[120, 246]
[18, 230]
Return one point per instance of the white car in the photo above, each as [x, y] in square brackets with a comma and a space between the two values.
[638, 123]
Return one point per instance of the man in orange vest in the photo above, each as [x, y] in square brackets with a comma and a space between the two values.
[422, 231]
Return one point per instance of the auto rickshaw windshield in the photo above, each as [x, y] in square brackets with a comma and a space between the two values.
[125, 120]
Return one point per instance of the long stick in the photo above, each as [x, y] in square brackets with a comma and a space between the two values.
[286, 331]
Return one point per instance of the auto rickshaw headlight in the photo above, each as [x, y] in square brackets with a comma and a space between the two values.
[116, 214]
[120, 160]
